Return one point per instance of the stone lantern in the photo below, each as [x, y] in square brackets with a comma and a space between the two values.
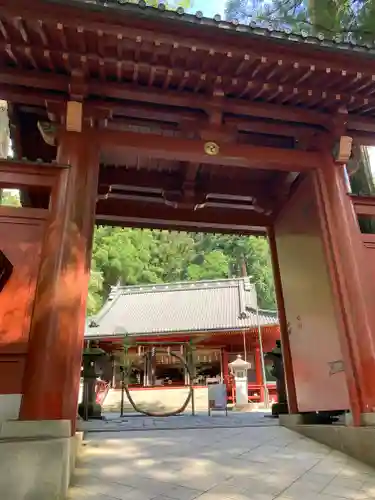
[89, 408]
[239, 368]
[281, 407]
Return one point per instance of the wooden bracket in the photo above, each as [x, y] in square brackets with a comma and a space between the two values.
[74, 116]
[343, 149]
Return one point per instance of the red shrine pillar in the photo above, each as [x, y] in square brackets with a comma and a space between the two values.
[225, 361]
[345, 254]
[51, 381]
[284, 333]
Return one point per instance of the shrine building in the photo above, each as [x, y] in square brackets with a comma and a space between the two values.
[218, 318]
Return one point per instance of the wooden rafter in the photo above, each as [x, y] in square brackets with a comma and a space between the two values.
[112, 22]
[235, 85]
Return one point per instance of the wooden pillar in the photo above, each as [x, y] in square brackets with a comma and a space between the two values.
[186, 355]
[225, 361]
[258, 373]
[113, 381]
[344, 249]
[284, 331]
[51, 381]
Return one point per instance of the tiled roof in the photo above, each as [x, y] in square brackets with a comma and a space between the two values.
[259, 28]
[179, 307]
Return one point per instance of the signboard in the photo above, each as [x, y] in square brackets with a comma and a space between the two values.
[217, 397]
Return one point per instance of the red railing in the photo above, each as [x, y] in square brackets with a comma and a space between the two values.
[255, 392]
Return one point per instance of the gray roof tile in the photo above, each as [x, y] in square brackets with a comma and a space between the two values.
[179, 307]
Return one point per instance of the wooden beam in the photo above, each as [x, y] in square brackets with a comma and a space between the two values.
[363, 139]
[364, 205]
[189, 100]
[34, 79]
[40, 86]
[166, 181]
[17, 94]
[16, 174]
[193, 150]
[183, 99]
[275, 128]
[131, 214]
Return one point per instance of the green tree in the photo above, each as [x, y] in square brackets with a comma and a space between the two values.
[171, 255]
[95, 294]
[10, 198]
[132, 256]
[213, 266]
[347, 17]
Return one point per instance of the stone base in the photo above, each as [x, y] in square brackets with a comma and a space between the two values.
[357, 442]
[36, 459]
[94, 411]
[368, 419]
[319, 418]
[244, 408]
[157, 399]
[279, 409]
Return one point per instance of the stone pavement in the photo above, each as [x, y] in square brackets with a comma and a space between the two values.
[248, 463]
[134, 422]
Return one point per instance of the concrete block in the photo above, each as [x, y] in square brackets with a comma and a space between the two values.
[291, 419]
[75, 449]
[357, 442]
[36, 459]
[9, 406]
[368, 419]
[19, 429]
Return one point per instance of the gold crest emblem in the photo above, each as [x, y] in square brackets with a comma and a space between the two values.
[211, 148]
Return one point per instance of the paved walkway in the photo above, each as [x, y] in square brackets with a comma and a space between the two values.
[249, 463]
[134, 422]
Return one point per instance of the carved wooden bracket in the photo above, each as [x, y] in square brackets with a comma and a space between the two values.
[48, 131]
[343, 149]
[6, 269]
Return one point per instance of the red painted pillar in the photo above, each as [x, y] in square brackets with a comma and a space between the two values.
[51, 381]
[284, 331]
[344, 249]
[225, 361]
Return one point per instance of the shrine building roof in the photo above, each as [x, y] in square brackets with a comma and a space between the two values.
[201, 306]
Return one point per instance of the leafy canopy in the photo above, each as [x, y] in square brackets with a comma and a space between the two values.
[133, 256]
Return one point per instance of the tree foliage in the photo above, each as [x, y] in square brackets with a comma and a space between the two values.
[354, 19]
[10, 198]
[132, 256]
